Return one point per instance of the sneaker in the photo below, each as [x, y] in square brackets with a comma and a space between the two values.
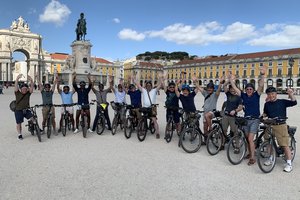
[109, 129]
[20, 137]
[76, 130]
[288, 168]
[90, 130]
[55, 132]
[268, 162]
[157, 136]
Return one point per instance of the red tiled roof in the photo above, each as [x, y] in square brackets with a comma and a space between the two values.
[101, 60]
[59, 56]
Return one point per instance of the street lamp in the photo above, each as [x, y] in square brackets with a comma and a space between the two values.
[291, 64]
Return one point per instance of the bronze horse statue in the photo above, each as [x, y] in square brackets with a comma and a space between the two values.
[81, 28]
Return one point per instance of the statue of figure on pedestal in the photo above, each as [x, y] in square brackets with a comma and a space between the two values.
[81, 28]
[14, 25]
[20, 22]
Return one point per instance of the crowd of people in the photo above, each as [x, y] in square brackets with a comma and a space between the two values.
[235, 101]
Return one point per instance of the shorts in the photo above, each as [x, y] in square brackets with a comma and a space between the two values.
[20, 114]
[84, 107]
[212, 113]
[68, 108]
[153, 112]
[176, 116]
[281, 134]
[46, 110]
[137, 113]
[229, 121]
[252, 126]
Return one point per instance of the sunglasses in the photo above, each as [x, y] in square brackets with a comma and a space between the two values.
[171, 87]
[249, 89]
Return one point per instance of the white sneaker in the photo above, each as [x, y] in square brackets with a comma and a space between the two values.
[90, 130]
[268, 162]
[288, 168]
[76, 131]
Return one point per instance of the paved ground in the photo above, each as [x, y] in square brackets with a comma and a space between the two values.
[112, 167]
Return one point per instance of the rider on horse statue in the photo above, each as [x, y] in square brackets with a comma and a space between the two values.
[81, 28]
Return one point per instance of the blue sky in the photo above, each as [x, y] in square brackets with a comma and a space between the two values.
[122, 29]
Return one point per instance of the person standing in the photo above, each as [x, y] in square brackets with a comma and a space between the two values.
[22, 95]
[83, 100]
[276, 108]
[47, 97]
[101, 96]
[251, 102]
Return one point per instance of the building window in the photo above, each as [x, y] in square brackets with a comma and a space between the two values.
[245, 73]
[237, 72]
[252, 73]
[279, 72]
[230, 66]
[217, 74]
[261, 64]
[253, 65]
[237, 66]
[270, 64]
[279, 63]
[210, 75]
[270, 72]
[245, 65]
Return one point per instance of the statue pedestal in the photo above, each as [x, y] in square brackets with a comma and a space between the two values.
[81, 52]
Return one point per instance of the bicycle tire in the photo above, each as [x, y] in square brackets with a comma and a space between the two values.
[128, 128]
[31, 128]
[63, 125]
[84, 126]
[214, 141]
[114, 125]
[169, 130]
[265, 152]
[237, 148]
[142, 129]
[49, 126]
[293, 148]
[190, 137]
[38, 132]
[69, 122]
[100, 125]
[151, 127]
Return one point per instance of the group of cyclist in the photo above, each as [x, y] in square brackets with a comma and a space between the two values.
[236, 100]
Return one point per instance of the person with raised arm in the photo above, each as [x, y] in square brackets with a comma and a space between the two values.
[83, 100]
[251, 99]
[22, 94]
[135, 98]
[276, 108]
[120, 97]
[149, 98]
[101, 97]
[47, 97]
[66, 98]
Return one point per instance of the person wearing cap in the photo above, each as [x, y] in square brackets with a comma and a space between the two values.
[187, 97]
[47, 98]
[149, 98]
[276, 108]
[66, 98]
[251, 102]
[83, 100]
[210, 104]
[101, 97]
[22, 94]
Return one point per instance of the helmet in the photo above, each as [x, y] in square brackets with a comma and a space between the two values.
[210, 85]
[185, 87]
[171, 84]
[270, 89]
[23, 85]
[47, 85]
[82, 83]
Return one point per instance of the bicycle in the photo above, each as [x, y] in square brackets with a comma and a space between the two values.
[131, 121]
[101, 118]
[84, 118]
[143, 125]
[117, 107]
[191, 136]
[270, 150]
[238, 144]
[33, 126]
[170, 126]
[66, 122]
[49, 118]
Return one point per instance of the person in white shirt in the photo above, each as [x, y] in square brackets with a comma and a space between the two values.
[120, 97]
[149, 98]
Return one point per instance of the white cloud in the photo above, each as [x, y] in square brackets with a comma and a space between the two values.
[31, 11]
[116, 20]
[56, 13]
[129, 34]
[278, 35]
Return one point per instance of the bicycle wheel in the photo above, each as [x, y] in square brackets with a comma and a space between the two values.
[293, 148]
[38, 132]
[114, 125]
[84, 126]
[169, 131]
[237, 148]
[128, 128]
[63, 125]
[151, 126]
[214, 141]
[142, 130]
[190, 140]
[266, 156]
[100, 125]
[49, 126]
[69, 122]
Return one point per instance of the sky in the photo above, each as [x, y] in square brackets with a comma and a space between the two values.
[121, 29]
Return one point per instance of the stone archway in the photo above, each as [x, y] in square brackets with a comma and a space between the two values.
[19, 39]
